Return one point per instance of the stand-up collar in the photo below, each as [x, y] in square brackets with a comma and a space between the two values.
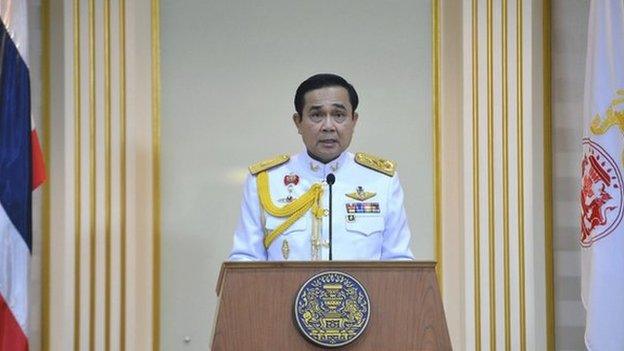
[319, 169]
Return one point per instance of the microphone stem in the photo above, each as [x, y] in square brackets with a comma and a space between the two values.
[330, 222]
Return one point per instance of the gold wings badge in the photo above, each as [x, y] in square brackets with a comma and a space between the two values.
[360, 194]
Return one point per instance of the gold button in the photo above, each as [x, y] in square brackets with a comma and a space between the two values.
[325, 212]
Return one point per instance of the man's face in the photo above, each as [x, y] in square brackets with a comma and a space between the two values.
[327, 124]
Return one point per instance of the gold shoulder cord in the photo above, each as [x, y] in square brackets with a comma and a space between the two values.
[294, 210]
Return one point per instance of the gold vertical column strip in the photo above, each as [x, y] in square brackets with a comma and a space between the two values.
[490, 179]
[107, 176]
[520, 166]
[475, 175]
[92, 179]
[505, 108]
[436, 141]
[77, 172]
[122, 174]
[45, 205]
[156, 171]
[548, 178]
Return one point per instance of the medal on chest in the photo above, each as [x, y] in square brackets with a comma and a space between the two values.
[290, 182]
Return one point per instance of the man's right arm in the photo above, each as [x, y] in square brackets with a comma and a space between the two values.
[249, 234]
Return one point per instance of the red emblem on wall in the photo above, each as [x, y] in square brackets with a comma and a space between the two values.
[291, 179]
[601, 193]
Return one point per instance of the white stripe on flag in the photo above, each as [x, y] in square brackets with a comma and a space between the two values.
[14, 14]
[14, 262]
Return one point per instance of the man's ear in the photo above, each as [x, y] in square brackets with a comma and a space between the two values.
[355, 117]
[297, 119]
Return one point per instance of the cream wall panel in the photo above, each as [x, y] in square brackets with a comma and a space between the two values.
[569, 36]
[37, 268]
[61, 247]
[452, 196]
[140, 176]
[227, 102]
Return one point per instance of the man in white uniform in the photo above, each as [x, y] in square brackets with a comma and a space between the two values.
[285, 208]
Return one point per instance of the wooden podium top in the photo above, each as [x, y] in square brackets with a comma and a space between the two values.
[319, 265]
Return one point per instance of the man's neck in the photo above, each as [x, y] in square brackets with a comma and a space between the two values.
[316, 158]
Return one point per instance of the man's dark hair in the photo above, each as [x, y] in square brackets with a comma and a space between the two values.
[323, 80]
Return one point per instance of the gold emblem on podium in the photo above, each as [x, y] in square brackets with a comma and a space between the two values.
[332, 309]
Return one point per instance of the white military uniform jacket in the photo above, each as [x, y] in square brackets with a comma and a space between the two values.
[369, 221]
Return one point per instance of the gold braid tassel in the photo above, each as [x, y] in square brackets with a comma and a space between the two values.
[294, 210]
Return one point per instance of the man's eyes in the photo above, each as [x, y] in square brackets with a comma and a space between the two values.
[334, 114]
[338, 116]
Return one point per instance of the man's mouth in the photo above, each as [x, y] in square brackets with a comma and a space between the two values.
[329, 142]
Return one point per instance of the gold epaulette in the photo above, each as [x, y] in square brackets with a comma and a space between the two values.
[268, 164]
[375, 163]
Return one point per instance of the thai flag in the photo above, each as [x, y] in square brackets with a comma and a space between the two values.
[602, 183]
[21, 170]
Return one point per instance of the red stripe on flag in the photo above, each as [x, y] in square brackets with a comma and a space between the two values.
[12, 337]
[38, 165]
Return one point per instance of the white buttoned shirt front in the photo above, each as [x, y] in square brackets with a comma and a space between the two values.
[364, 227]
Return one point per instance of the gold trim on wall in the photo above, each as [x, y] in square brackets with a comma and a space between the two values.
[107, 176]
[92, 177]
[548, 179]
[122, 175]
[520, 167]
[155, 33]
[475, 175]
[505, 110]
[437, 139]
[77, 171]
[490, 178]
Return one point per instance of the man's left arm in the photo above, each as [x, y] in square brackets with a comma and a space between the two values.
[396, 236]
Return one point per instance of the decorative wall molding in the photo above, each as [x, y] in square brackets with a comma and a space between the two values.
[494, 162]
[103, 176]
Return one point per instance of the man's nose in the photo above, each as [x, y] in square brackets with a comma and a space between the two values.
[328, 123]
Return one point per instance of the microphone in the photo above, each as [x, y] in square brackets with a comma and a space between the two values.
[331, 179]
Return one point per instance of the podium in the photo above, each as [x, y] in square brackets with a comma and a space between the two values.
[256, 302]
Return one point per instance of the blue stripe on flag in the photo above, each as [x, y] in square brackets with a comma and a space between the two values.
[15, 148]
